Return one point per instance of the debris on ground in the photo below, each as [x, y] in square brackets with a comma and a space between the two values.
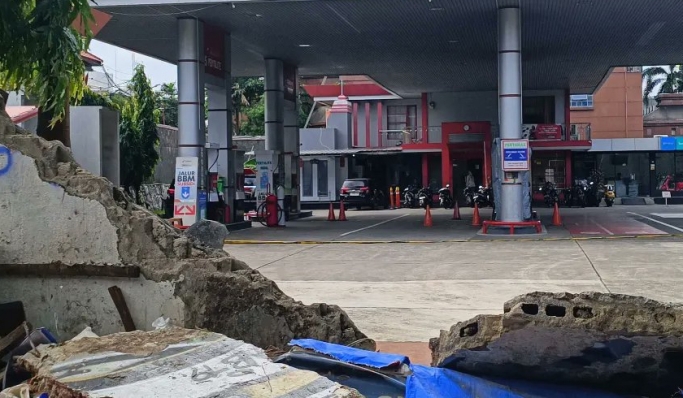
[209, 233]
[95, 227]
[621, 343]
[172, 362]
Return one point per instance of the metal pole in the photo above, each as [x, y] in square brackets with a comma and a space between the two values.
[510, 103]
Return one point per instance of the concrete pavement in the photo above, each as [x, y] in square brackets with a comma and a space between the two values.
[409, 291]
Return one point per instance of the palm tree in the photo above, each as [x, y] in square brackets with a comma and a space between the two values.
[662, 79]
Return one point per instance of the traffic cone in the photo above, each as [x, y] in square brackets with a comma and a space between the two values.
[476, 219]
[342, 213]
[397, 198]
[428, 217]
[456, 211]
[391, 198]
[330, 214]
[557, 221]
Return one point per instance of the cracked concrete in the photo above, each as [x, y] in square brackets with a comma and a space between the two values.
[58, 212]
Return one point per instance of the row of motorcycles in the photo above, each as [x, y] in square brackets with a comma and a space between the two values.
[414, 197]
[583, 193]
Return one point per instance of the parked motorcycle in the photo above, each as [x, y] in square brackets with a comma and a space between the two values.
[410, 197]
[609, 195]
[484, 197]
[470, 193]
[550, 195]
[592, 197]
[424, 197]
[445, 197]
[577, 196]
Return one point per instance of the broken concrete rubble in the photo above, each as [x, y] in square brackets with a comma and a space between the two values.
[622, 343]
[208, 233]
[169, 362]
[58, 213]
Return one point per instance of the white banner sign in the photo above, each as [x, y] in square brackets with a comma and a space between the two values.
[186, 179]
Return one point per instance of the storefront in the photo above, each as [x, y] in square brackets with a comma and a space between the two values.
[636, 173]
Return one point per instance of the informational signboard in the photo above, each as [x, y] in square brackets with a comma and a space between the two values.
[265, 164]
[214, 51]
[515, 155]
[185, 200]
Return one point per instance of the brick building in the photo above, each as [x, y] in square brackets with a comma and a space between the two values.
[616, 108]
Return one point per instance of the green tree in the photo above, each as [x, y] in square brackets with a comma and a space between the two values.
[662, 79]
[246, 92]
[138, 134]
[40, 48]
[166, 101]
[255, 115]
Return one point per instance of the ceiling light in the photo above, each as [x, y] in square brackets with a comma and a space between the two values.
[437, 9]
[304, 45]
[452, 41]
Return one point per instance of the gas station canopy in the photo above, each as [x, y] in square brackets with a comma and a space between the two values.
[414, 46]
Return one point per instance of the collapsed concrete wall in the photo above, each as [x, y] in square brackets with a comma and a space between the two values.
[62, 223]
[626, 344]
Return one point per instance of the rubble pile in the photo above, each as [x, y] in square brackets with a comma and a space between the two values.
[219, 292]
[165, 362]
[626, 344]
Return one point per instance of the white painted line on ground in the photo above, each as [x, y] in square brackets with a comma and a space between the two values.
[668, 215]
[374, 225]
[591, 233]
[657, 221]
[603, 228]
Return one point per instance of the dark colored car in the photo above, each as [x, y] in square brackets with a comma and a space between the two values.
[362, 192]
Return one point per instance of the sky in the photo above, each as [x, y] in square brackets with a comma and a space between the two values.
[119, 63]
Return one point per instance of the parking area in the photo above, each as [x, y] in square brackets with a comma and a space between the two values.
[407, 225]
[403, 282]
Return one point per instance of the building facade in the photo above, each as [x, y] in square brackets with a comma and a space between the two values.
[615, 110]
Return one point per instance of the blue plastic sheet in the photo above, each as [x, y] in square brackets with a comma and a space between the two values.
[431, 382]
[352, 355]
[436, 382]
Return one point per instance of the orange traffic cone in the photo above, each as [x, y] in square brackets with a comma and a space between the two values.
[456, 211]
[428, 217]
[476, 219]
[342, 213]
[557, 221]
[391, 198]
[330, 214]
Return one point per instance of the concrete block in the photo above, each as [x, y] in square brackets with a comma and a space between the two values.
[622, 343]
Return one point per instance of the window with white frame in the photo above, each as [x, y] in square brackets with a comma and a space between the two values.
[401, 117]
[583, 101]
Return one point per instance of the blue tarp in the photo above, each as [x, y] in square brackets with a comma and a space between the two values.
[352, 355]
[431, 382]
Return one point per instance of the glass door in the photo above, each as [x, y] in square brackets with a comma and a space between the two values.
[315, 177]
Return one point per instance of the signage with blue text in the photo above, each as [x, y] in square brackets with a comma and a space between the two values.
[515, 155]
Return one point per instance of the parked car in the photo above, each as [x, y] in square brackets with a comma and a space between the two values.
[362, 192]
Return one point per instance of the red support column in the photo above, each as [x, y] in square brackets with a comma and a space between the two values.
[379, 124]
[425, 169]
[567, 114]
[355, 125]
[568, 169]
[368, 141]
[446, 167]
[425, 118]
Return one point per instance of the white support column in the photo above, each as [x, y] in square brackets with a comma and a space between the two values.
[510, 102]
[220, 127]
[291, 140]
[191, 138]
[274, 105]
